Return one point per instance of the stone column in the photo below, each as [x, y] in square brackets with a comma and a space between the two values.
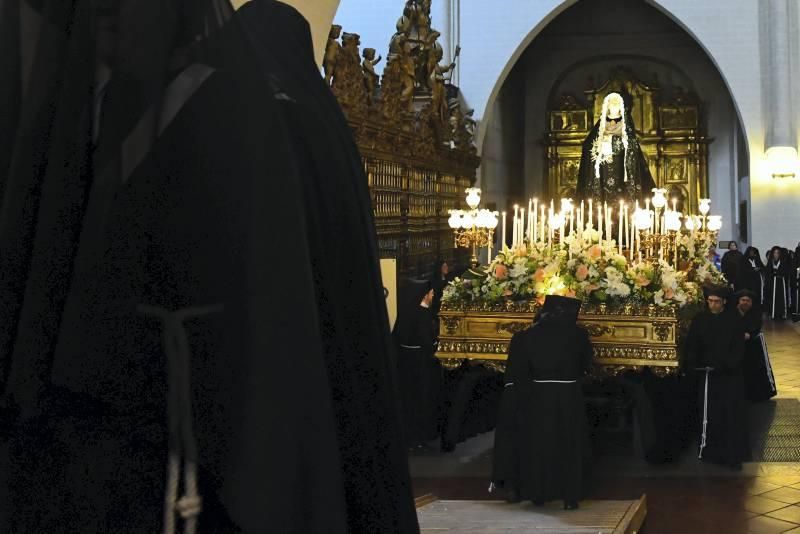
[777, 77]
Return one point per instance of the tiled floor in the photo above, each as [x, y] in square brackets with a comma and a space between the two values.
[685, 498]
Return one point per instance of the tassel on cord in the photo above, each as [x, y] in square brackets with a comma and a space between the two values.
[182, 442]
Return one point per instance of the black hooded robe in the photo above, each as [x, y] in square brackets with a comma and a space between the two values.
[243, 241]
[717, 341]
[778, 287]
[541, 439]
[759, 381]
[419, 372]
[754, 275]
[734, 269]
[611, 185]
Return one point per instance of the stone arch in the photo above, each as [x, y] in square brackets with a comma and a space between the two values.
[509, 57]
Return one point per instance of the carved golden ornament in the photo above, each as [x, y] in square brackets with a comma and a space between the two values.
[598, 330]
[451, 324]
[513, 327]
[662, 330]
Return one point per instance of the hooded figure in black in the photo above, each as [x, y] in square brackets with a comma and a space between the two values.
[166, 365]
[733, 266]
[754, 275]
[440, 277]
[715, 350]
[541, 440]
[419, 372]
[759, 381]
[612, 165]
[778, 274]
[796, 284]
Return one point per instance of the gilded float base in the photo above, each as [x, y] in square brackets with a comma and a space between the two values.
[626, 339]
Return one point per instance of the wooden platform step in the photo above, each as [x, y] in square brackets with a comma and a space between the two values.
[495, 517]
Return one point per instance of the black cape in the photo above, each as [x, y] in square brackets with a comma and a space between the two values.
[250, 216]
[611, 186]
[419, 372]
[541, 440]
[734, 269]
[759, 380]
[754, 274]
[717, 341]
[778, 288]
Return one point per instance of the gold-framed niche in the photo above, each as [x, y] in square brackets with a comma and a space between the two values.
[669, 128]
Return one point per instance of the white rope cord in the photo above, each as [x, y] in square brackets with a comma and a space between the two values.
[785, 297]
[171, 493]
[182, 442]
[704, 435]
[767, 363]
[774, 287]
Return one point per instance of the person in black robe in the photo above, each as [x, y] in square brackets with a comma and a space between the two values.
[778, 275]
[419, 372]
[541, 440]
[715, 350]
[164, 366]
[612, 165]
[796, 285]
[733, 264]
[754, 275]
[440, 277]
[759, 381]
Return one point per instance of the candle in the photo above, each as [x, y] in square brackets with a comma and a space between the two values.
[619, 229]
[503, 236]
[535, 210]
[542, 222]
[591, 213]
[530, 220]
[627, 234]
[516, 227]
[599, 223]
[674, 204]
[571, 220]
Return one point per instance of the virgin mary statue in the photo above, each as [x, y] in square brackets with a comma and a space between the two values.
[612, 164]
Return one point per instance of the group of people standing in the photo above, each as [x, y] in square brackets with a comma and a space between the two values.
[773, 279]
[542, 447]
[727, 353]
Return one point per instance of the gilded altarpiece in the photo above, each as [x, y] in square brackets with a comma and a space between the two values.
[669, 128]
[415, 140]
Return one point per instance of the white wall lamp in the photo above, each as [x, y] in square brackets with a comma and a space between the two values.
[782, 162]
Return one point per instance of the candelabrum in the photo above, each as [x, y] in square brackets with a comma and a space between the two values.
[645, 233]
[474, 227]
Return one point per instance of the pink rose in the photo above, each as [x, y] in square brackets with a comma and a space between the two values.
[642, 281]
[581, 272]
[669, 293]
[591, 287]
[570, 293]
[595, 251]
[539, 275]
[507, 293]
[501, 272]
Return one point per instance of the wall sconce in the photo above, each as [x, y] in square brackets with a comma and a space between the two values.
[782, 162]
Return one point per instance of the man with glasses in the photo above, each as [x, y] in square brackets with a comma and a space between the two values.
[715, 350]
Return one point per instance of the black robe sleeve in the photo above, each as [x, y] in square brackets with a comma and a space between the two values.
[586, 167]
